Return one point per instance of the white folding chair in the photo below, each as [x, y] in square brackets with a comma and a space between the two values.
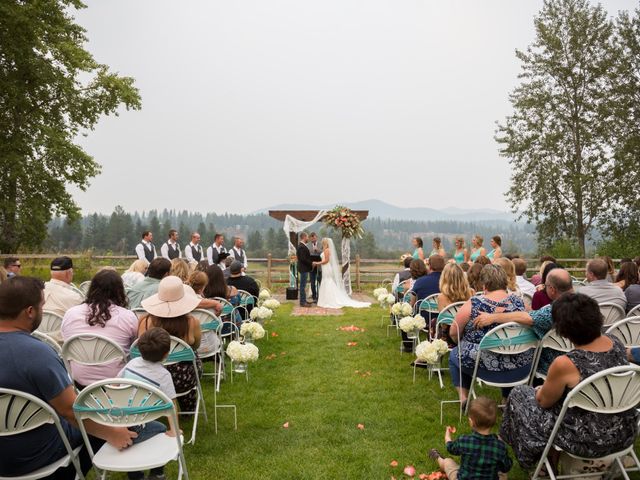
[120, 402]
[611, 313]
[634, 312]
[528, 301]
[22, 412]
[51, 323]
[386, 283]
[84, 287]
[627, 330]
[610, 391]
[428, 309]
[90, 349]
[506, 339]
[43, 337]
[181, 352]
[140, 312]
[552, 341]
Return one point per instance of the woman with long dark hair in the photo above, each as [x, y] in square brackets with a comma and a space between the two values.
[217, 285]
[103, 313]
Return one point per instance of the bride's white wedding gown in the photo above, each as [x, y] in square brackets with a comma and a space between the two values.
[333, 294]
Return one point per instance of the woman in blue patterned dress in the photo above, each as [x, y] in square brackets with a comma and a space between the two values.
[496, 367]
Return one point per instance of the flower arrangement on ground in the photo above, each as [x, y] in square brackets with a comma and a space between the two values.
[260, 314]
[412, 324]
[386, 300]
[380, 291]
[431, 352]
[242, 353]
[343, 219]
[264, 294]
[271, 303]
[401, 309]
[252, 330]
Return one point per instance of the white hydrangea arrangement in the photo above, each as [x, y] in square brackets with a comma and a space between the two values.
[252, 330]
[401, 309]
[411, 324]
[271, 303]
[242, 353]
[264, 294]
[431, 352]
[380, 291]
[260, 314]
[386, 300]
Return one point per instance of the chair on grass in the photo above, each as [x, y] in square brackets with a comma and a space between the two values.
[611, 313]
[607, 392]
[125, 403]
[386, 283]
[181, 352]
[627, 330]
[506, 339]
[551, 341]
[428, 309]
[634, 312]
[51, 323]
[43, 337]
[21, 412]
[528, 301]
[140, 312]
[84, 287]
[90, 349]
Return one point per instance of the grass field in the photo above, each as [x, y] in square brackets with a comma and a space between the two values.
[324, 389]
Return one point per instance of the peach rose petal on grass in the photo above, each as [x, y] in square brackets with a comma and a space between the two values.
[360, 426]
[285, 425]
[393, 463]
[409, 471]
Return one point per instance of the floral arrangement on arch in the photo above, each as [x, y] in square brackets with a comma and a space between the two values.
[343, 219]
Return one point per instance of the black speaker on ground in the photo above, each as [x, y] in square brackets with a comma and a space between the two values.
[292, 293]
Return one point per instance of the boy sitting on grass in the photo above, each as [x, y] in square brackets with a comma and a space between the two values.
[482, 454]
[154, 346]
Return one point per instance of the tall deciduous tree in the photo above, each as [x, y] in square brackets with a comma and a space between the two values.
[51, 91]
[558, 139]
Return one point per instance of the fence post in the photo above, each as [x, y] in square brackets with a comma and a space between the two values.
[269, 258]
[358, 272]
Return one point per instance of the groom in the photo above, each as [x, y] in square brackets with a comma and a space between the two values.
[305, 267]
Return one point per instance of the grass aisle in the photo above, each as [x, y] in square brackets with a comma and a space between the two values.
[309, 377]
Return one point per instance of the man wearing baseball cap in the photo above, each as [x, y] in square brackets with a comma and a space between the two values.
[238, 279]
[59, 294]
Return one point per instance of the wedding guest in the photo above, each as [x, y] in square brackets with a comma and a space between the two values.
[627, 275]
[473, 277]
[418, 248]
[44, 376]
[171, 248]
[198, 281]
[135, 273]
[238, 253]
[632, 293]
[103, 313]
[599, 288]
[541, 297]
[193, 252]
[454, 287]
[429, 284]
[217, 285]
[536, 279]
[216, 253]
[611, 269]
[169, 309]
[227, 263]
[476, 247]
[242, 282]
[402, 276]
[525, 286]
[3, 275]
[496, 245]
[483, 260]
[202, 266]
[417, 269]
[180, 269]
[59, 294]
[437, 248]
[531, 414]
[461, 254]
[145, 249]
[510, 270]
[12, 266]
[158, 269]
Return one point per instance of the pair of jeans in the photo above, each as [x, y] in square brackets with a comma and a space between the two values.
[145, 432]
[304, 278]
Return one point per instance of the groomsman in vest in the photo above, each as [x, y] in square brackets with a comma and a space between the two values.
[238, 253]
[193, 252]
[145, 249]
[171, 249]
[316, 274]
[216, 253]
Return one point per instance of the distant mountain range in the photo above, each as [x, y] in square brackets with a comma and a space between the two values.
[380, 209]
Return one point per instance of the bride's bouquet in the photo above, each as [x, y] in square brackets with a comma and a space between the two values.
[411, 325]
[252, 331]
[431, 352]
[260, 314]
[401, 309]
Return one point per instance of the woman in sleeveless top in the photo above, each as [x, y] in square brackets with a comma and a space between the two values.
[461, 254]
[496, 245]
[437, 248]
[418, 253]
[531, 413]
[476, 248]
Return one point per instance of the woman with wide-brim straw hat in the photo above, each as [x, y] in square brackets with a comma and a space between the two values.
[169, 309]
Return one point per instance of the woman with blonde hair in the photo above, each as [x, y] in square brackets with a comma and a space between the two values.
[476, 247]
[510, 269]
[180, 269]
[454, 286]
[135, 273]
[437, 248]
[461, 254]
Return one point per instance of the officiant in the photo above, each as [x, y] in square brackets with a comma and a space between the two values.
[315, 248]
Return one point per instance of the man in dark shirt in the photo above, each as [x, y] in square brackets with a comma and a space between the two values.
[430, 283]
[242, 282]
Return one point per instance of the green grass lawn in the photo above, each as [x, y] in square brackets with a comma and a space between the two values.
[324, 389]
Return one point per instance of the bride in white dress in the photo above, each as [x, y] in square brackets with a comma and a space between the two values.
[332, 291]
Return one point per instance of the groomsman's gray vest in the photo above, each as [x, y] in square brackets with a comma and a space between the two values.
[239, 256]
[215, 256]
[196, 252]
[173, 252]
[149, 253]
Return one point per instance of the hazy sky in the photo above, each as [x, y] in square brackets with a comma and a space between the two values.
[251, 103]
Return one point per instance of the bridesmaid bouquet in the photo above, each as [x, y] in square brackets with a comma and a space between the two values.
[431, 352]
[343, 219]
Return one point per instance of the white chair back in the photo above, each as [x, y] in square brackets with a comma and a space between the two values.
[210, 326]
[528, 300]
[627, 330]
[84, 287]
[634, 312]
[51, 323]
[43, 337]
[611, 312]
[140, 312]
[447, 315]
[552, 341]
[89, 349]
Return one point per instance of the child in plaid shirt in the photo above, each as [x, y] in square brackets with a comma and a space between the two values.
[483, 456]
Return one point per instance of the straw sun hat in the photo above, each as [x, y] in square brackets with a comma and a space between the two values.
[172, 300]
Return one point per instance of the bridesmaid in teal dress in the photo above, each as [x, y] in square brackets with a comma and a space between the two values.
[437, 248]
[461, 254]
[418, 253]
[496, 245]
[476, 248]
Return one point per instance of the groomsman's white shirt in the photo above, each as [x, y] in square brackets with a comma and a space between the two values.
[140, 250]
[164, 249]
[235, 253]
[188, 254]
[219, 249]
